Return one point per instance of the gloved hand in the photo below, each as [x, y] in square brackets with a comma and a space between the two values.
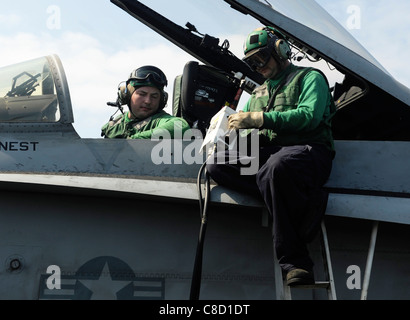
[245, 120]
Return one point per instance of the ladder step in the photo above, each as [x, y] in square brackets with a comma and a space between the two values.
[283, 291]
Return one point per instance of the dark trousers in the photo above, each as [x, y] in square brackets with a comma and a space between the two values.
[290, 180]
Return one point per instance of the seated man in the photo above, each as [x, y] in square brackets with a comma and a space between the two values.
[145, 96]
[292, 112]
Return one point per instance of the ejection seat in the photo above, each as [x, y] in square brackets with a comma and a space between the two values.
[200, 92]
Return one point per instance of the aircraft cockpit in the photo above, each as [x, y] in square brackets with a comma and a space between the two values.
[35, 92]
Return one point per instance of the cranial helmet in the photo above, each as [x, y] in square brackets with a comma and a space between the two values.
[146, 76]
[263, 43]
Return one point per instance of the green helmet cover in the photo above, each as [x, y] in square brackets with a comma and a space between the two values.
[259, 39]
[256, 39]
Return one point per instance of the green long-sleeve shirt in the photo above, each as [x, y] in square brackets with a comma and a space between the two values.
[160, 124]
[302, 110]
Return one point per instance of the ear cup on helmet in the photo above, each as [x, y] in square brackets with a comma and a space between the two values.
[124, 95]
[165, 99]
[282, 49]
[280, 45]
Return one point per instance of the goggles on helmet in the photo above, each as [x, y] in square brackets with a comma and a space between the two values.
[147, 76]
[258, 59]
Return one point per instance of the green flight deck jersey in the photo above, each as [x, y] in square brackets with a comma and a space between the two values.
[298, 108]
[158, 125]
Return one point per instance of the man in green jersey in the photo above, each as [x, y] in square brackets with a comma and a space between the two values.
[291, 112]
[145, 97]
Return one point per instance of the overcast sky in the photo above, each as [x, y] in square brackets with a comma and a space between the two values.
[99, 44]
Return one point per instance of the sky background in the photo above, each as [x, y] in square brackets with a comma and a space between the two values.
[99, 44]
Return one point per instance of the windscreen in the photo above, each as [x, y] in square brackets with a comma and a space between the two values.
[28, 93]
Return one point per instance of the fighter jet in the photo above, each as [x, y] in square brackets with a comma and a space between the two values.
[119, 219]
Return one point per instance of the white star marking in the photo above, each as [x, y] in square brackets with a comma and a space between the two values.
[105, 288]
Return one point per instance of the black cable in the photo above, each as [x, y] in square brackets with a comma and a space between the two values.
[198, 186]
[203, 212]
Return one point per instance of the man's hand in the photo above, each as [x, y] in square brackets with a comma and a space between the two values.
[245, 120]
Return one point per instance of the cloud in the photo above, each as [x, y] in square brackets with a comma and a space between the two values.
[93, 74]
[10, 20]
[94, 66]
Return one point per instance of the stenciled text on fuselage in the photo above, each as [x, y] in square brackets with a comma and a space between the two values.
[13, 146]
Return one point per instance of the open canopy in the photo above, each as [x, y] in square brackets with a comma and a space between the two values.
[310, 25]
[371, 104]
